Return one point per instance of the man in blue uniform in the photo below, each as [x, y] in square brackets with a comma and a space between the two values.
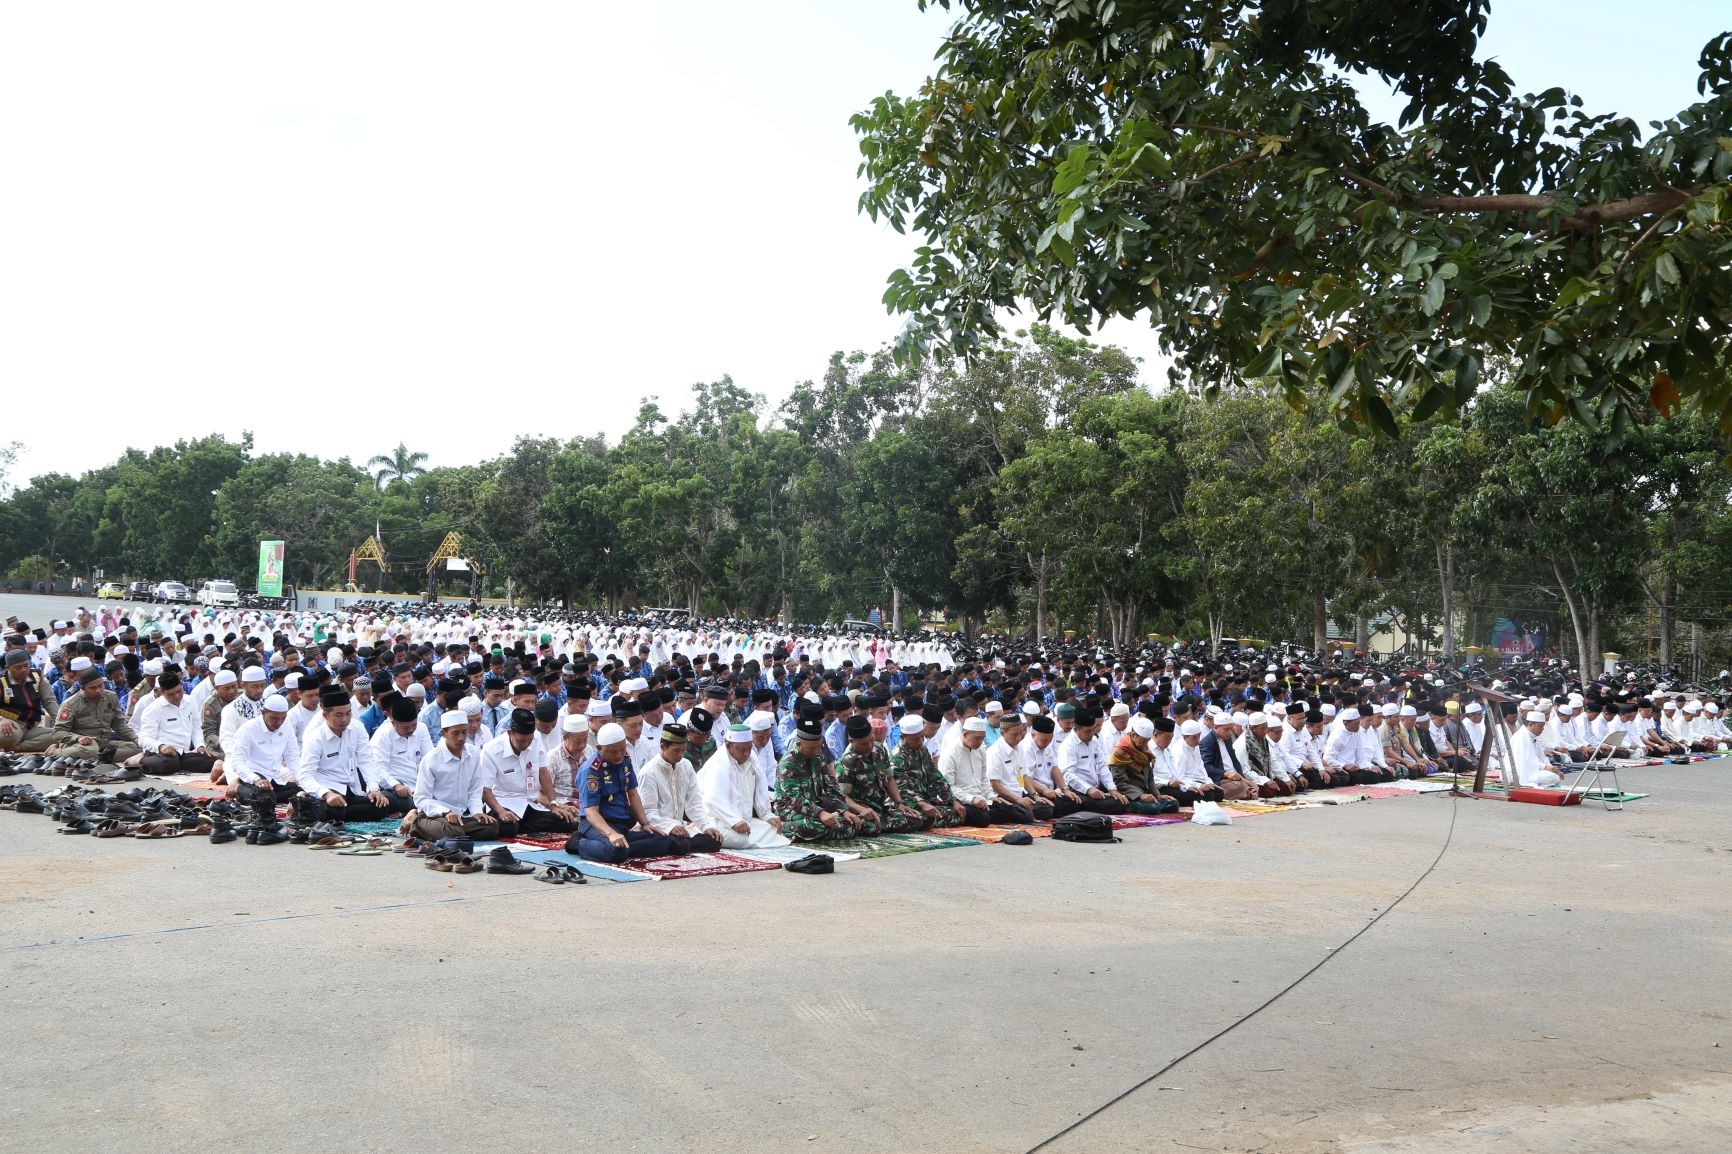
[613, 827]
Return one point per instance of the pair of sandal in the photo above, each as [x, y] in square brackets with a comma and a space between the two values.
[557, 874]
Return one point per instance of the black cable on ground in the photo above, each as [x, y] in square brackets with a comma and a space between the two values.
[1455, 805]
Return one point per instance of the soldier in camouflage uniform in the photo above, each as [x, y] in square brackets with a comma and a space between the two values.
[808, 800]
[701, 745]
[867, 782]
[91, 722]
[918, 781]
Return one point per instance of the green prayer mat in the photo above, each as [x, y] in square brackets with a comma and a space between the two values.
[1608, 795]
[885, 844]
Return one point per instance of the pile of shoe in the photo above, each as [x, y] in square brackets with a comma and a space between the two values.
[141, 813]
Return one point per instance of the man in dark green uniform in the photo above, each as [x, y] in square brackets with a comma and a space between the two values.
[808, 800]
[918, 781]
[868, 783]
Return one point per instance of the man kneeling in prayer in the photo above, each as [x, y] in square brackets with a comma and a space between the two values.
[673, 805]
[808, 799]
[614, 826]
[1133, 762]
[863, 771]
[1532, 766]
[449, 786]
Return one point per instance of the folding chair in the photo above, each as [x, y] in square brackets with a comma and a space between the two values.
[1599, 764]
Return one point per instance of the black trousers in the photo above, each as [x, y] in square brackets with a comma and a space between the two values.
[1192, 796]
[1106, 804]
[543, 821]
[157, 765]
[248, 793]
[359, 807]
[591, 844]
[1009, 813]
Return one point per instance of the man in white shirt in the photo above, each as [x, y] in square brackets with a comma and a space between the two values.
[396, 748]
[1082, 769]
[1344, 752]
[1532, 769]
[246, 705]
[737, 797]
[964, 767]
[261, 768]
[335, 773]
[673, 805]
[1190, 782]
[449, 786]
[169, 732]
[1039, 753]
[1013, 802]
[511, 769]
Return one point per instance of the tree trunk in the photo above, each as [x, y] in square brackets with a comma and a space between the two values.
[1593, 612]
[1040, 582]
[1446, 576]
[895, 609]
[1588, 668]
[1215, 621]
[1668, 617]
[1319, 622]
[1362, 633]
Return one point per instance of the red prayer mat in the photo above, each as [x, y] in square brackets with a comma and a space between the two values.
[541, 840]
[1132, 820]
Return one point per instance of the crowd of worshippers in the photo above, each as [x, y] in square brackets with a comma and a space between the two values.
[629, 758]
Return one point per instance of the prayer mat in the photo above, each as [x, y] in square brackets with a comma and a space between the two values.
[1374, 790]
[1250, 807]
[541, 840]
[1340, 798]
[386, 827]
[921, 839]
[699, 865]
[1422, 785]
[1608, 795]
[990, 833]
[783, 854]
[591, 869]
[1133, 820]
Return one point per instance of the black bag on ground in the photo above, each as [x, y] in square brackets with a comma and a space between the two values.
[1083, 827]
[812, 863]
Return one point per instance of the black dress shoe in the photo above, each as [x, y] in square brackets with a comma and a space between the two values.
[501, 861]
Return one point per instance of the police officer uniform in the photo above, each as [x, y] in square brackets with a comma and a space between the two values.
[607, 789]
[27, 703]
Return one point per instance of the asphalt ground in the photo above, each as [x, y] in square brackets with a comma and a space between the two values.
[1559, 982]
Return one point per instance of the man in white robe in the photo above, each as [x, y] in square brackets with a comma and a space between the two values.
[737, 796]
[1532, 767]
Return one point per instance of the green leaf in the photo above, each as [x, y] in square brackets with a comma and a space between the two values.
[1432, 299]
[1666, 268]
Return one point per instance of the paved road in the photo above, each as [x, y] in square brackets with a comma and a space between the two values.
[1559, 983]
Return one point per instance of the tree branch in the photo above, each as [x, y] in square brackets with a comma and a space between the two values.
[1585, 216]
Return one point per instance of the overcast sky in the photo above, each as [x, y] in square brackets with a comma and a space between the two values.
[344, 225]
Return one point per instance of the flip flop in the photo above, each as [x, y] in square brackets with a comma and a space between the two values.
[572, 874]
[551, 875]
[359, 851]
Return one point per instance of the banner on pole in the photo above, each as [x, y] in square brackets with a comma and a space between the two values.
[270, 568]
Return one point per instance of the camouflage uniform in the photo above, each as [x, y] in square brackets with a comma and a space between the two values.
[918, 780]
[804, 788]
[102, 721]
[865, 779]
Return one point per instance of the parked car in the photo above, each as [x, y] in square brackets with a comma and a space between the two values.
[110, 590]
[214, 593]
[171, 591]
[140, 591]
[854, 625]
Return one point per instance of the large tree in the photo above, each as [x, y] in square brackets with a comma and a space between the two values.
[1212, 166]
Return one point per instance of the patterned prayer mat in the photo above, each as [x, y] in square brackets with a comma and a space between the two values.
[1373, 791]
[1133, 820]
[783, 854]
[698, 865]
[386, 827]
[1251, 807]
[1608, 795]
[541, 840]
[990, 833]
[922, 839]
[586, 868]
[884, 845]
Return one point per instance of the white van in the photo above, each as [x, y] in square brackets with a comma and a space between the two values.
[217, 593]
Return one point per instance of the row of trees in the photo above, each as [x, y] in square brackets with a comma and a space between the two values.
[1038, 488]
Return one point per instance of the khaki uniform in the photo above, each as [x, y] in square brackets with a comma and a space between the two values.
[83, 724]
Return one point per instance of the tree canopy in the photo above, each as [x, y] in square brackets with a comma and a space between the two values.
[1213, 167]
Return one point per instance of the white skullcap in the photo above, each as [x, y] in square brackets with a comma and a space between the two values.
[1142, 727]
[79, 664]
[761, 721]
[121, 651]
[1535, 717]
[1120, 709]
[1328, 709]
[252, 675]
[1565, 710]
[224, 677]
[152, 668]
[611, 734]
[453, 718]
[811, 696]
[1184, 673]
[291, 681]
[911, 724]
[1475, 707]
[440, 667]
[1268, 679]
[573, 723]
[995, 707]
[1348, 714]
[598, 708]
[633, 685]
[1191, 728]
[1669, 704]
[1409, 711]
[974, 725]
[1255, 719]
[471, 706]
[1576, 700]
[276, 703]
[1711, 707]
[1031, 709]
[1690, 707]
[333, 656]
[417, 690]
[1390, 709]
